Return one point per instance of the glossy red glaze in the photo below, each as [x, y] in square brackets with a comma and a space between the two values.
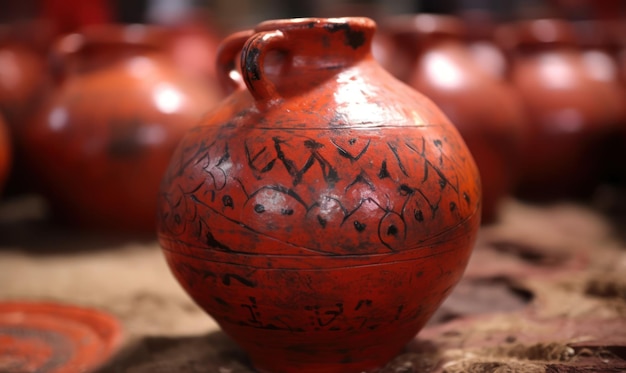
[322, 214]
[568, 121]
[55, 338]
[484, 108]
[104, 139]
[5, 153]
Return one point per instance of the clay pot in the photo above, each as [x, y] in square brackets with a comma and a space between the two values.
[479, 33]
[194, 50]
[324, 208]
[5, 153]
[598, 54]
[484, 108]
[105, 136]
[568, 118]
[22, 77]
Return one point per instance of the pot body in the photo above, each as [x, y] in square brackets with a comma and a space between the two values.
[105, 135]
[484, 108]
[572, 115]
[324, 208]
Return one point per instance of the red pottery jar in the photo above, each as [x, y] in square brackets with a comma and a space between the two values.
[104, 138]
[22, 77]
[479, 35]
[193, 43]
[5, 153]
[484, 107]
[323, 213]
[568, 118]
[598, 50]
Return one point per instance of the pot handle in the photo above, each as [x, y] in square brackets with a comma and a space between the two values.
[228, 74]
[253, 63]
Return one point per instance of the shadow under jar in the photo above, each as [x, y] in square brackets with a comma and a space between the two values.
[484, 108]
[324, 210]
[569, 122]
[101, 143]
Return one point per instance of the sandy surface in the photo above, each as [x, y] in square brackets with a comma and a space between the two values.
[564, 261]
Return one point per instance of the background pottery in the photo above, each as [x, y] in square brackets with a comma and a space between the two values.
[569, 123]
[102, 142]
[484, 108]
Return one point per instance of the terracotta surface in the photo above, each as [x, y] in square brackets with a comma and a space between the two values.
[5, 153]
[55, 338]
[570, 122]
[101, 144]
[322, 209]
[484, 108]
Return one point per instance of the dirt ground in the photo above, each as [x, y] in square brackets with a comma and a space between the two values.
[545, 291]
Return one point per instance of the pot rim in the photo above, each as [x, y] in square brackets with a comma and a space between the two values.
[363, 23]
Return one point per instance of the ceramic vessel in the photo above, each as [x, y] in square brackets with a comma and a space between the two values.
[22, 77]
[568, 121]
[323, 211]
[484, 107]
[5, 153]
[598, 51]
[105, 136]
[479, 35]
[193, 46]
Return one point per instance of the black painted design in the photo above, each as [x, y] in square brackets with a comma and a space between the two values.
[404, 202]
[359, 226]
[361, 179]
[252, 308]
[221, 301]
[325, 317]
[394, 150]
[252, 63]
[347, 154]
[419, 215]
[227, 201]
[363, 302]
[353, 38]
[252, 158]
[383, 173]
[226, 280]
[329, 172]
[322, 221]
